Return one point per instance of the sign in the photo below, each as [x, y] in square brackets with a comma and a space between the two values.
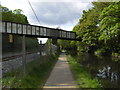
[10, 38]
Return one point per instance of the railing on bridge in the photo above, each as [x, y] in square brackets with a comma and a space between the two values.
[39, 31]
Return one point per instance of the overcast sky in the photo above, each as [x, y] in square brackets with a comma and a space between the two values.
[52, 13]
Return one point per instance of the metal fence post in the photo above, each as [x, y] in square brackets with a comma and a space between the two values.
[24, 55]
[40, 47]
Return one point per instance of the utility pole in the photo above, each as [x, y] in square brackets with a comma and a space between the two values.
[24, 55]
[40, 47]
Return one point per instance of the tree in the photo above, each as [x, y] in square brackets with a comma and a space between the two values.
[17, 11]
[88, 29]
[14, 16]
[110, 27]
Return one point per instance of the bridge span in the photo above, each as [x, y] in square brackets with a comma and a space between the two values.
[37, 31]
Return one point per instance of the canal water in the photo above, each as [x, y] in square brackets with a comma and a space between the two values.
[106, 69]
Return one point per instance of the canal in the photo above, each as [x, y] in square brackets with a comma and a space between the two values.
[105, 68]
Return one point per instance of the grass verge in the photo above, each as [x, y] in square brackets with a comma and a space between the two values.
[82, 77]
[37, 74]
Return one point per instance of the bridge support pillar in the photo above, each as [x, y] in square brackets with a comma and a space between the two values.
[54, 41]
[54, 46]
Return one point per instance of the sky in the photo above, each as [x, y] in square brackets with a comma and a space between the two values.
[51, 13]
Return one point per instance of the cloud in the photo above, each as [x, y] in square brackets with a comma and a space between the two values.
[53, 13]
[50, 12]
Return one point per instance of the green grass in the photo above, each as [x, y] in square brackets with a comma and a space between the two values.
[82, 77]
[37, 74]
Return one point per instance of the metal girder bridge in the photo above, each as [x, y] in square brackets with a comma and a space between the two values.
[36, 31]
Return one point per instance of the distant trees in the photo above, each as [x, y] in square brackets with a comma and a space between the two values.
[13, 16]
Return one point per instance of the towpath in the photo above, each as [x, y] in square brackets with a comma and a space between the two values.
[61, 75]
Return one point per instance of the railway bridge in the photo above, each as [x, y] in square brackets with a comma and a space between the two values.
[37, 31]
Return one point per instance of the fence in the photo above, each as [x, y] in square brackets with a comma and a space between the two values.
[14, 63]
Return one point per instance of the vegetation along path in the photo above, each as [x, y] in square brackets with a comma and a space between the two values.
[61, 75]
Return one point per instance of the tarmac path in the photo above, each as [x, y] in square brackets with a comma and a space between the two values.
[61, 75]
